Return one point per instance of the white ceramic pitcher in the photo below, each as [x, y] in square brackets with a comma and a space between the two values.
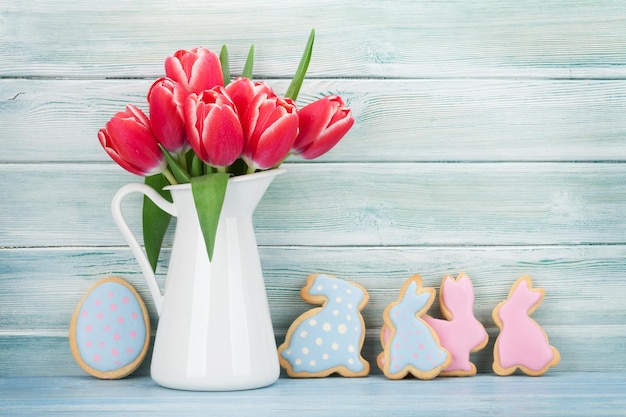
[215, 331]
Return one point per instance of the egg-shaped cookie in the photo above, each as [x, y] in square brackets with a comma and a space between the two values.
[110, 330]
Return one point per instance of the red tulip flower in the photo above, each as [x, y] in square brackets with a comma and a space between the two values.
[196, 70]
[213, 127]
[243, 90]
[166, 99]
[270, 126]
[322, 125]
[127, 139]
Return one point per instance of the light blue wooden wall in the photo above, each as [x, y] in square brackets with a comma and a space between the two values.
[490, 138]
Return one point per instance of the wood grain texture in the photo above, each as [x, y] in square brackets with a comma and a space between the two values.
[396, 120]
[582, 312]
[489, 139]
[39, 288]
[582, 349]
[379, 204]
[562, 394]
[556, 38]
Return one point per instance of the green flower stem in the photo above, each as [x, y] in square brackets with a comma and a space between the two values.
[179, 173]
[182, 160]
[251, 169]
[169, 176]
[221, 170]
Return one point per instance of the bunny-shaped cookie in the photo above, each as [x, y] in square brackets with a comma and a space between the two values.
[522, 343]
[327, 339]
[409, 344]
[460, 333]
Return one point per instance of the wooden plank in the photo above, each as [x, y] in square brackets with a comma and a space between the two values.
[574, 394]
[29, 354]
[379, 204]
[45, 354]
[556, 38]
[396, 120]
[583, 310]
[39, 288]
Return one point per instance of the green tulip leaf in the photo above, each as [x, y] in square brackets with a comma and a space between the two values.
[181, 175]
[247, 69]
[155, 221]
[208, 195]
[298, 78]
[225, 64]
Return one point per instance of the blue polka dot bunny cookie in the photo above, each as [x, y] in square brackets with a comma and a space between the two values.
[327, 339]
[410, 345]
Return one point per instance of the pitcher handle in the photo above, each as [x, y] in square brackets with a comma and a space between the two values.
[142, 259]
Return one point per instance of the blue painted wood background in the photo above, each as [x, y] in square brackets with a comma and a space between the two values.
[490, 138]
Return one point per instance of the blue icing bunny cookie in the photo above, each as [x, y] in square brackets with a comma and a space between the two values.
[327, 339]
[110, 330]
[410, 345]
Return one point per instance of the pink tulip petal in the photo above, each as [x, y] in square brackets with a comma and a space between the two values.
[128, 140]
[214, 130]
[166, 118]
[196, 70]
[327, 140]
[323, 124]
[174, 70]
[274, 143]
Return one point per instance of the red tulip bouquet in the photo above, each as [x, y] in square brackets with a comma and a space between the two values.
[202, 127]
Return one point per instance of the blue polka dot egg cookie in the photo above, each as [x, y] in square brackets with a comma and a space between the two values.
[110, 330]
[327, 339]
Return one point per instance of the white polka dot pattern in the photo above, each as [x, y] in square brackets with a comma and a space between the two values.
[327, 339]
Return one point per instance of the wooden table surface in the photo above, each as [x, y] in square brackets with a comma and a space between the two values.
[562, 394]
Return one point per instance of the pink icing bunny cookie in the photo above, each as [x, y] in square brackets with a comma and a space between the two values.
[410, 345]
[460, 333]
[522, 343]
